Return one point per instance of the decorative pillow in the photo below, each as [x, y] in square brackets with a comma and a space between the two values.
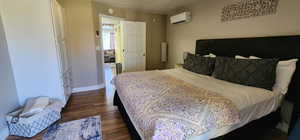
[251, 72]
[284, 73]
[199, 64]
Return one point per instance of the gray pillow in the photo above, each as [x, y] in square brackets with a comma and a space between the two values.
[199, 64]
[251, 72]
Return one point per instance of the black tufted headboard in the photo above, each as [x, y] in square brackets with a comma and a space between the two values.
[283, 47]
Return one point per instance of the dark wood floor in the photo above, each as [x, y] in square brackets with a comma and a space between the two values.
[93, 103]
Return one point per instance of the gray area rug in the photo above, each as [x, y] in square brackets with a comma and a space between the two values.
[83, 129]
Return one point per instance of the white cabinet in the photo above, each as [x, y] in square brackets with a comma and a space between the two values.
[60, 32]
[35, 36]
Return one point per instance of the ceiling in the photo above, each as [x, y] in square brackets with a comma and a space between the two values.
[154, 6]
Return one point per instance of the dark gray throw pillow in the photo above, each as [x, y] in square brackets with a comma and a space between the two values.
[251, 72]
[199, 64]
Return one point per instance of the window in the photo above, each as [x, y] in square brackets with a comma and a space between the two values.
[108, 37]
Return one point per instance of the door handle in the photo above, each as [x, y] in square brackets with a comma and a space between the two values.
[144, 54]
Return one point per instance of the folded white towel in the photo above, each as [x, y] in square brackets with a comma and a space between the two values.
[34, 106]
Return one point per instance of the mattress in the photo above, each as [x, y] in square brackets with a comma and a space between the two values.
[253, 103]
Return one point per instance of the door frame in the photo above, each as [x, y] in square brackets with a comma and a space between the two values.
[101, 41]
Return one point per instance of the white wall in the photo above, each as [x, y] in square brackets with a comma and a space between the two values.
[81, 41]
[31, 45]
[8, 93]
[206, 24]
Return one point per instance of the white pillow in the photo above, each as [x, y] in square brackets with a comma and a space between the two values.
[254, 57]
[210, 55]
[240, 57]
[284, 73]
[34, 105]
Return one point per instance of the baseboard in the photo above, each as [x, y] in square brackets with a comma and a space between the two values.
[88, 88]
[4, 133]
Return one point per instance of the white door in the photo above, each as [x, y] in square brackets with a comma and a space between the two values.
[134, 41]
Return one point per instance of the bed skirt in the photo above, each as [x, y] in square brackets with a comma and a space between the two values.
[253, 130]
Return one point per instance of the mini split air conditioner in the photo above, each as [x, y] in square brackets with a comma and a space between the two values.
[181, 18]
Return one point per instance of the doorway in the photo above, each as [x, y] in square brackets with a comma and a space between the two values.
[110, 42]
[123, 44]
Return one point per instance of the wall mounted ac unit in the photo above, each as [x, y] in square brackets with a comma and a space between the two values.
[181, 18]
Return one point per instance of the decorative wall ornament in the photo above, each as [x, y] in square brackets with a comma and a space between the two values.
[249, 8]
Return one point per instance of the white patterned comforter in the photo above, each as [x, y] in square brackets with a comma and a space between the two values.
[164, 107]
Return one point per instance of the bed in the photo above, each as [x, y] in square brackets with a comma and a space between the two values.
[258, 108]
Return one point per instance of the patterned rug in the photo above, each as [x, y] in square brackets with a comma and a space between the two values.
[83, 129]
